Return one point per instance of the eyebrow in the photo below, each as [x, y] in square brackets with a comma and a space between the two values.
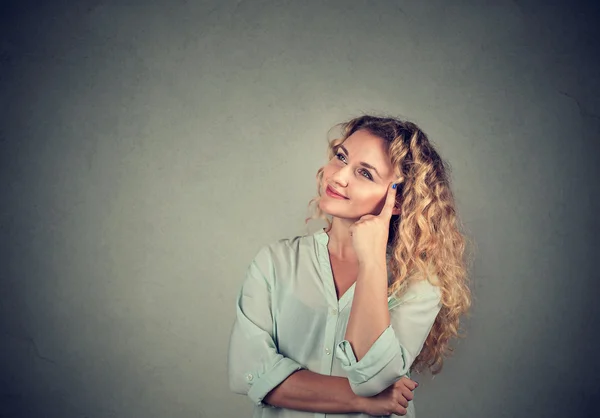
[362, 162]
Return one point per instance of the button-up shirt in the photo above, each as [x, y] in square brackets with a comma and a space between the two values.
[288, 318]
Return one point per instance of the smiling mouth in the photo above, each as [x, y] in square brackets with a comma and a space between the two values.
[333, 193]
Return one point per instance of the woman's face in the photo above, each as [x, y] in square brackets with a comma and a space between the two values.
[361, 171]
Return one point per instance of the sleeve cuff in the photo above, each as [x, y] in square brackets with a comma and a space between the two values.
[384, 350]
[264, 384]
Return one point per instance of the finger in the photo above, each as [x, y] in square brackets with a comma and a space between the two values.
[390, 199]
[402, 401]
[407, 393]
[400, 410]
[404, 391]
[409, 383]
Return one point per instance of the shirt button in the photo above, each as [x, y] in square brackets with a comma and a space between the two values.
[249, 377]
[327, 351]
[333, 311]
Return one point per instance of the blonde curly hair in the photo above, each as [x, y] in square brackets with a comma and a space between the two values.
[425, 240]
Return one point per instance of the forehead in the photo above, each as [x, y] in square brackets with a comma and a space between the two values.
[366, 147]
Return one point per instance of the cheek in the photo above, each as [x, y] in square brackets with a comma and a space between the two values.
[373, 201]
[328, 171]
[324, 179]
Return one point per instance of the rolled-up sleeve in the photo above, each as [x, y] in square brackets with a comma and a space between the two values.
[393, 353]
[255, 366]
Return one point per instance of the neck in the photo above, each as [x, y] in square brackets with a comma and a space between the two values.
[340, 242]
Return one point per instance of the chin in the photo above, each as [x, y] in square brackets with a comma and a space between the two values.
[323, 207]
[327, 208]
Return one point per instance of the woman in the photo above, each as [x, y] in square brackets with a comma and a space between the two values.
[334, 322]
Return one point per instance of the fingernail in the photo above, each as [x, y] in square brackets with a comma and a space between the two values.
[394, 186]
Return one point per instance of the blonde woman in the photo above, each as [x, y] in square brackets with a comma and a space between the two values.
[334, 322]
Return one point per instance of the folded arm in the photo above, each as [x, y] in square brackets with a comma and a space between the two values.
[312, 392]
[258, 370]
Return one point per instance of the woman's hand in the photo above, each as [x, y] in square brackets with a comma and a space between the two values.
[393, 400]
[370, 232]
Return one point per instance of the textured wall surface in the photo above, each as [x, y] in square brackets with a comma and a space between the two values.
[149, 149]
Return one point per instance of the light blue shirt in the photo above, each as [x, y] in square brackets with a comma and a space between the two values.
[288, 317]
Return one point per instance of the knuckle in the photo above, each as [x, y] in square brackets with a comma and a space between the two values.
[401, 411]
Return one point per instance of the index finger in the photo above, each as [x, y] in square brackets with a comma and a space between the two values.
[390, 199]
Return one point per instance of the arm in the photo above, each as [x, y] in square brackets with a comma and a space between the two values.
[255, 366]
[395, 349]
[258, 370]
[369, 315]
[313, 392]
[382, 341]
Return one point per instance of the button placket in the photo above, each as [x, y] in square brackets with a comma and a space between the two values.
[329, 340]
[331, 313]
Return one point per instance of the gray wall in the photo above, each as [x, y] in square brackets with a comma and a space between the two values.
[148, 149]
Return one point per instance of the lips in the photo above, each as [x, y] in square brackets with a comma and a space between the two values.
[332, 192]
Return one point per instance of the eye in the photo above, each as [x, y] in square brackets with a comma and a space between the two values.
[341, 157]
[366, 174]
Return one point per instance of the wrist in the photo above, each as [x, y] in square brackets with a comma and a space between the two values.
[373, 264]
[359, 404]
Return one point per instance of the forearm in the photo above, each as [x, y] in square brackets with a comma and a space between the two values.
[312, 392]
[369, 315]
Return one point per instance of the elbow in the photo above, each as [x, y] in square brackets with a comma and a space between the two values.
[365, 390]
[235, 387]
[372, 387]
[238, 389]
[385, 378]
[238, 385]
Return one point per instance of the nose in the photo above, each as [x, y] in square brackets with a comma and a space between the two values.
[341, 176]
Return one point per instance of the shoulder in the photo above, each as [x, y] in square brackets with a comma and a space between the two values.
[285, 249]
[290, 243]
